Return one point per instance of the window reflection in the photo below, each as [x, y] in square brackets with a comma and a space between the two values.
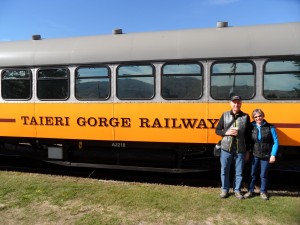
[282, 79]
[232, 78]
[53, 84]
[92, 83]
[16, 84]
[135, 82]
[181, 81]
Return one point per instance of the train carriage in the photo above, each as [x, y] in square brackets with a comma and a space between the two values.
[148, 101]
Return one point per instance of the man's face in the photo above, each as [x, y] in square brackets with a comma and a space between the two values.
[236, 106]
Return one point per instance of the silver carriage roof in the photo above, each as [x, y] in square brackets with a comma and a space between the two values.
[226, 42]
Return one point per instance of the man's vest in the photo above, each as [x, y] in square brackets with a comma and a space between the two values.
[238, 142]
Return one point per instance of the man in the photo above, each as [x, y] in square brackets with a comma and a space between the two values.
[234, 127]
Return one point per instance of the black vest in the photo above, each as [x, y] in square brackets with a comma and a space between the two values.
[262, 148]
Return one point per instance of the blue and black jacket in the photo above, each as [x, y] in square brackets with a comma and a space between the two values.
[264, 140]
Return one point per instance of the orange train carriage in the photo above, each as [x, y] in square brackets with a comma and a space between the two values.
[147, 101]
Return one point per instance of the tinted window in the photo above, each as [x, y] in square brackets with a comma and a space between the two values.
[135, 82]
[232, 78]
[282, 79]
[16, 84]
[53, 84]
[92, 83]
[181, 81]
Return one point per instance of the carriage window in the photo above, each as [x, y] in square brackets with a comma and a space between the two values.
[232, 78]
[16, 84]
[135, 82]
[92, 83]
[181, 81]
[282, 80]
[53, 84]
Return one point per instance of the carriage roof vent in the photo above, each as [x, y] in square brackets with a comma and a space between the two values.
[222, 24]
[117, 31]
[36, 37]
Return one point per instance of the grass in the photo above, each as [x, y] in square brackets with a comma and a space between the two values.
[44, 199]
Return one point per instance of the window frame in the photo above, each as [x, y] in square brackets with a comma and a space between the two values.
[109, 77]
[153, 75]
[201, 75]
[277, 73]
[240, 74]
[62, 78]
[30, 83]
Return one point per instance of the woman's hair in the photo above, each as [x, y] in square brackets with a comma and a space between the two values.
[257, 111]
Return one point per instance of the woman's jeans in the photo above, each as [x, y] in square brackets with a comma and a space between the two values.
[226, 159]
[263, 164]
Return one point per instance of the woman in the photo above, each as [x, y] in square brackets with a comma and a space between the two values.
[265, 146]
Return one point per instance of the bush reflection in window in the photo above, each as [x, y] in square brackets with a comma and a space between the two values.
[16, 84]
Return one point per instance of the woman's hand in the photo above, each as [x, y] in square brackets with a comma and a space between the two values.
[272, 159]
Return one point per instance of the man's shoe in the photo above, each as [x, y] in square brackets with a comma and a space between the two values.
[264, 196]
[249, 194]
[224, 194]
[238, 195]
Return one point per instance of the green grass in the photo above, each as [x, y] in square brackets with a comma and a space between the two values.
[44, 199]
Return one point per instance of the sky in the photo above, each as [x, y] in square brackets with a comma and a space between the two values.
[20, 19]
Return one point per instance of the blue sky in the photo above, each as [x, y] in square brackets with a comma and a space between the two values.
[20, 19]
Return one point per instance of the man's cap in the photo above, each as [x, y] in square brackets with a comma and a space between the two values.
[236, 97]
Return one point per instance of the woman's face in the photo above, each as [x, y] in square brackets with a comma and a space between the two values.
[258, 118]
